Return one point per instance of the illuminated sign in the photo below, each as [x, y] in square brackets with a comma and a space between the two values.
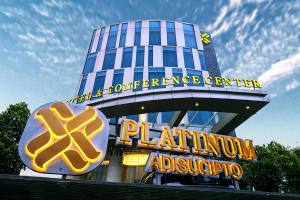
[64, 138]
[205, 38]
[165, 81]
[178, 140]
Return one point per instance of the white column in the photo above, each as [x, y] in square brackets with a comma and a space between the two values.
[157, 56]
[105, 38]
[196, 59]
[118, 60]
[118, 35]
[134, 49]
[90, 82]
[164, 41]
[99, 61]
[180, 58]
[198, 37]
[130, 34]
[95, 41]
[145, 33]
[179, 34]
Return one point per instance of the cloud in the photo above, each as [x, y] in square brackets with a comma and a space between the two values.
[292, 85]
[280, 69]
[41, 10]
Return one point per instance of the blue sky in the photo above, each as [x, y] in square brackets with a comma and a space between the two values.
[43, 45]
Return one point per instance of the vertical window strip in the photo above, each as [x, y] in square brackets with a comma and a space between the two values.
[89, 63]
[109, 59]
[189, 36]
[202, 60]
[188, 58]
[156, 73]
[112, 38]
[140, 56]
[171, 36]
[177, 74]
[98, 84]
[127, 57]
[154, 33]
[118, 78]
[150, 56]
[192, 73]
[138, 76]
[137, 36]
[92, 41]
[100, 39]
[170, 57]
[123, 35]
[82, 85]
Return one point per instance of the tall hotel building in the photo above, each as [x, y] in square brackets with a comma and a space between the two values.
[117, 78]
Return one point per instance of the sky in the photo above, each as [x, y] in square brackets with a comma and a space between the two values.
[43, 45]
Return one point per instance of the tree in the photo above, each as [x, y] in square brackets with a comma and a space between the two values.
[12, 124]
[276, 169]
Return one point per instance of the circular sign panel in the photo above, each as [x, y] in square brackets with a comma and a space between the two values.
[64, 138]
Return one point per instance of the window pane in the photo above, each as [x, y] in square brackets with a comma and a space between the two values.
[99, 82]
[137, 37]
[189, 36]
[202, 60]
[167, 116]
[177, 74]
[133, 117]
[150, 56]
[171, 37]
[123, 35]
[199, 117]
[156, 73]
[118, 77]
[92, 41]
[82, 85]
[126, 58]
[90, 63]
[109, 59]
[138, 76]
[112, 38]
[152, 117]
[191, 73]
[154, 33]
[139, 57]
[170, 57]
[188, 58]
[100, 39]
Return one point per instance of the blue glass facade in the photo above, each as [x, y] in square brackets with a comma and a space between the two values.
[171, 36]
[127, 57]
[192, 73]
[154, 33]
[123, 35]
[99, 45]
[177, 73]
[188, 58]
[140, 51]
[90, 63]
[202, 60]
[157, 73]
[150, 56]
[200, 117]
[109, 59]
[82, 84]
[189, 36]
[118, 77]
[112, 38]
[138, 76]
[99, 82]
[170, 57]
[137, 35]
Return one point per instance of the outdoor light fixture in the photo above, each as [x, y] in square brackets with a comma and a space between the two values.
[247, 107]
[196, 104]
[142, 107]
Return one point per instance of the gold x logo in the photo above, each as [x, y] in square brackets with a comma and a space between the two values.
[205, 38]
[67, 136]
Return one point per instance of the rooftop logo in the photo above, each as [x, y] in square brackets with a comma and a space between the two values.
[205, 38]
[64, 138]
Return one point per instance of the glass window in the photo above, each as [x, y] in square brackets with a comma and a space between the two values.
[177, 74]
[92, 41]
[199, 117]
[82, 85]
[202, 60]
[127, 57]
[138, 30]
[133, 117]
[189, 36]
[139, 62]
[152, 117]
[109, 59]
[154, 33]
[100, 39]
[123, 35]
[188, 58]
[138, 76]
[171, 36]
[118, 77]
[89, 63]
[170, 57]
[112, 38]
[167, 116]
[150, 56]
[156, 73]
[99, 82]
[194, 81]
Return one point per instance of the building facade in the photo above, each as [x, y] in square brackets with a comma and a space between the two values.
[165, 73]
